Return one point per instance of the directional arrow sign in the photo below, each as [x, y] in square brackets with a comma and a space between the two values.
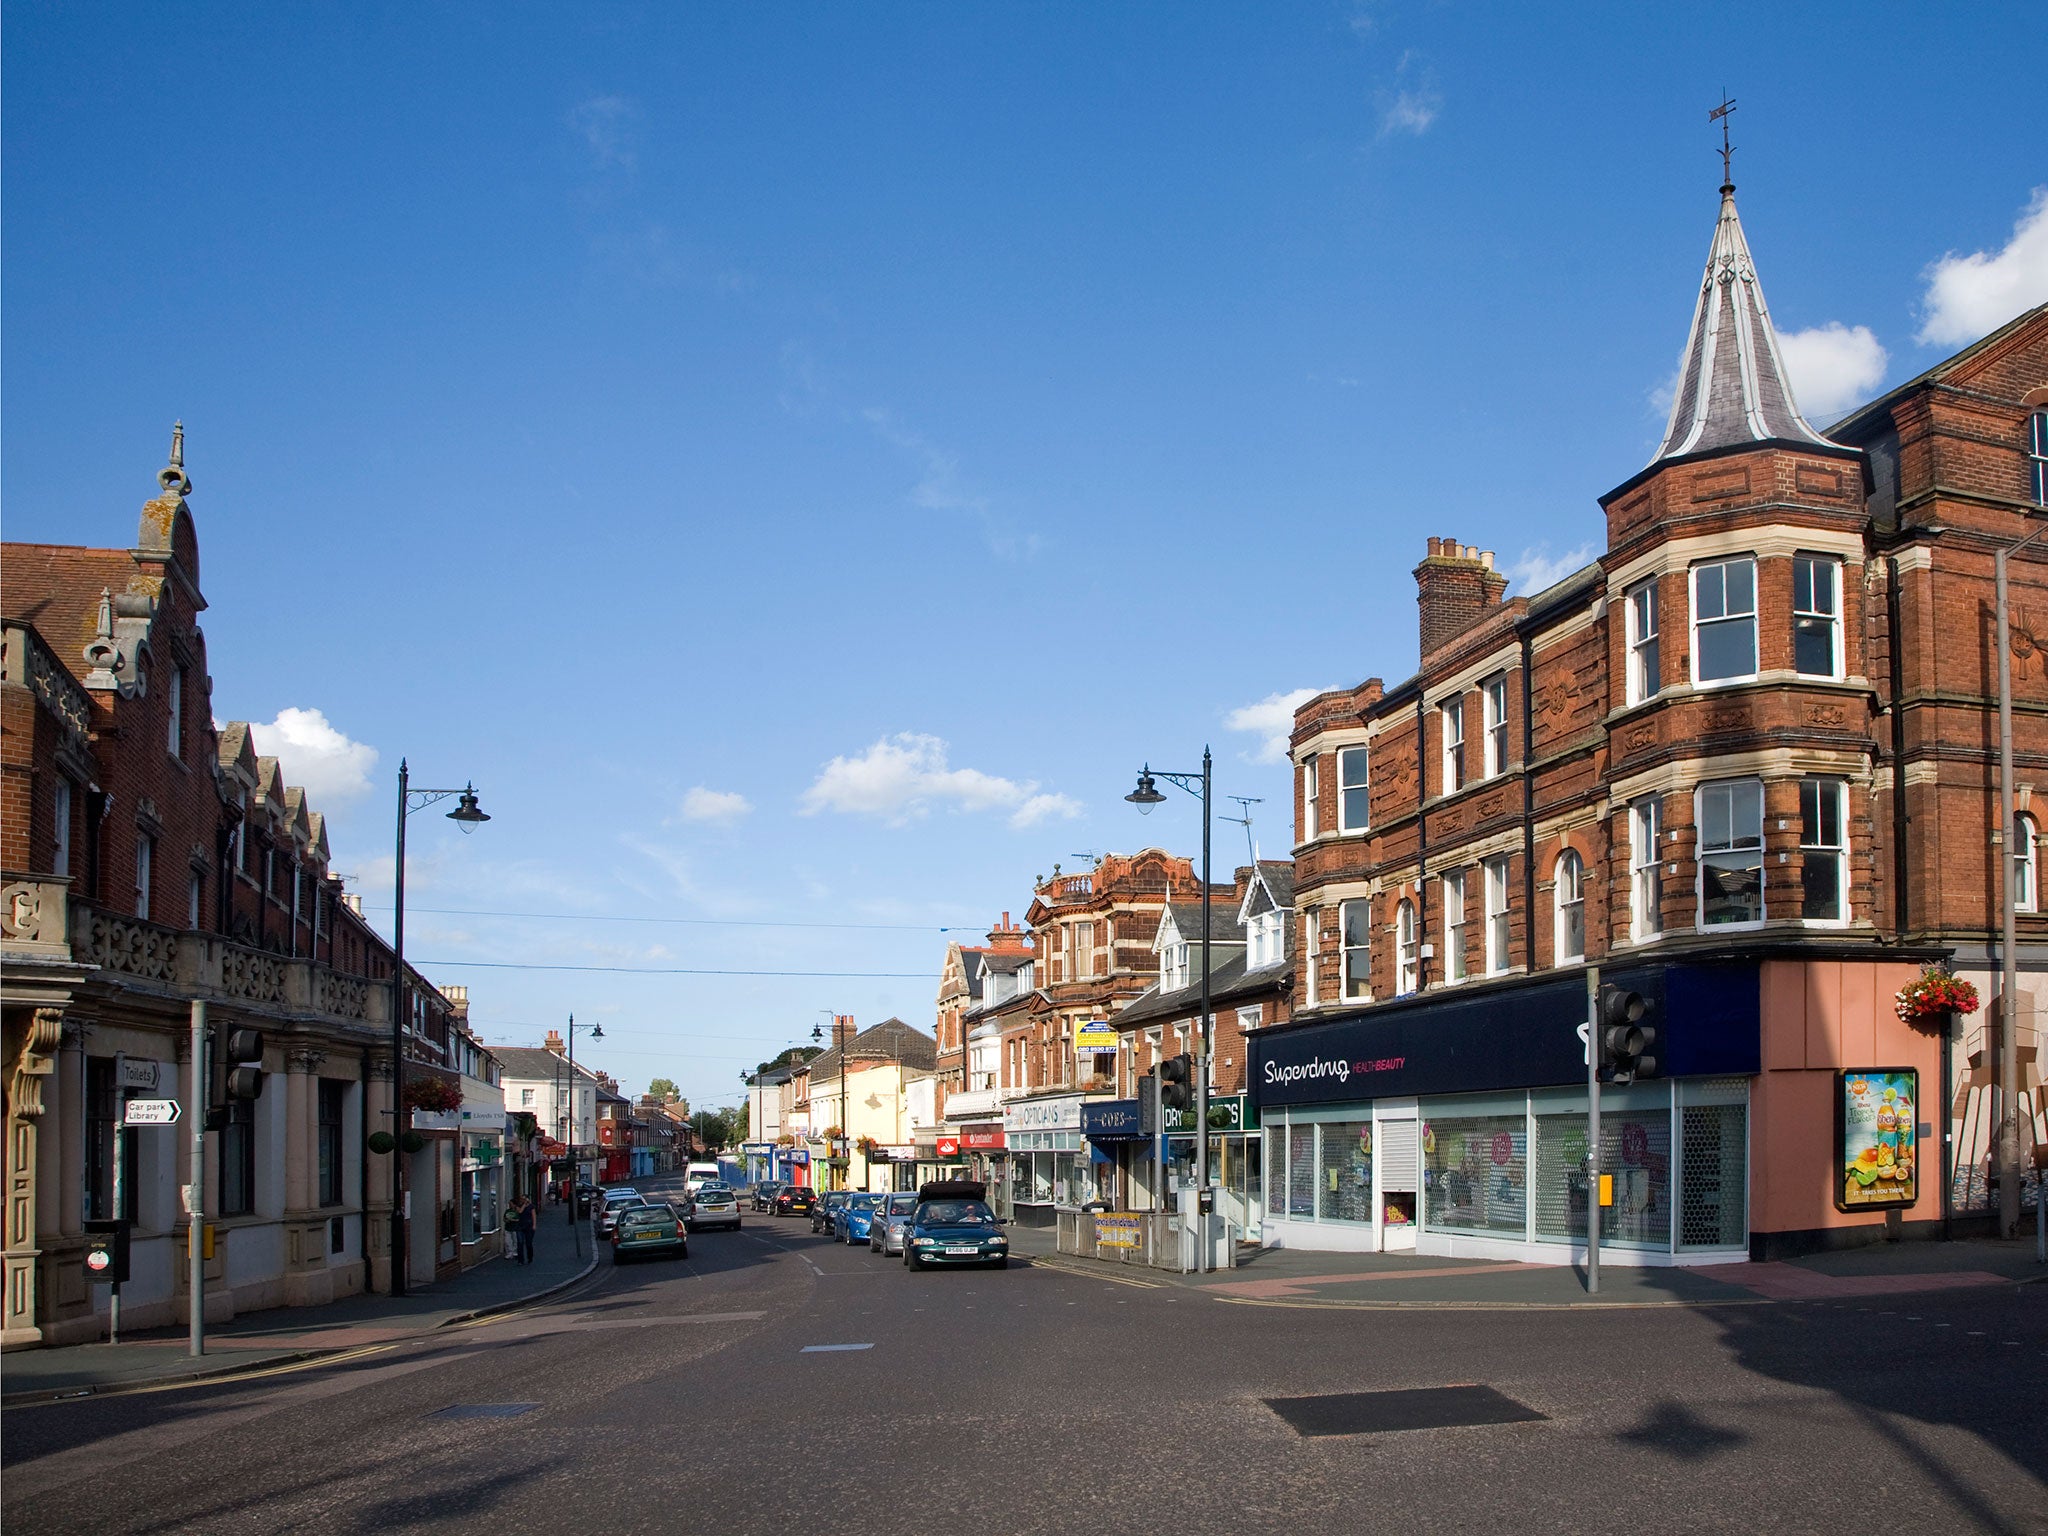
[152, 1112]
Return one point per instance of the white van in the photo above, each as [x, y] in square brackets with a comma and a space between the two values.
[698, 1173]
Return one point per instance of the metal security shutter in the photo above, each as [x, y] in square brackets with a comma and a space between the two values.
[1399, 1154]
[1713, 1167]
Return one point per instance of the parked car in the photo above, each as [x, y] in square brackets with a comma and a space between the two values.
[856, 1217]
[825, 1210]
[954, 1232]
[615, 1201]
[892, 1220]
[714, 1206]
[764, 1196]
[647, 1231]
[795, 1200]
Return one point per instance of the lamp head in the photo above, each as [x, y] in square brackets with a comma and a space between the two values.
[1146, 795]
[597, 1031]
[466, 815]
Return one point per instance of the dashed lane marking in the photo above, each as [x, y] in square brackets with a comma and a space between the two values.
[831, 1349]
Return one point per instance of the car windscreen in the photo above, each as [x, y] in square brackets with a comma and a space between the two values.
[863, 1202]
[901, 1205]
[646, 1216]
[955, 1213]
[714, 1197]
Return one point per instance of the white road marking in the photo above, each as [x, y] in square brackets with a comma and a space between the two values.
[828, 1349]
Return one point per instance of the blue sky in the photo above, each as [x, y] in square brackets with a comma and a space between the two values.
[800, 461]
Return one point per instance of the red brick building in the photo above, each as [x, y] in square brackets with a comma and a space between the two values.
[150, 863]
[1745, 764]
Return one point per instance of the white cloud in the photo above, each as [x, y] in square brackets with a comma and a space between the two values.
[1413, 103]
[1272, 721]
[606, 125]
[1972, 296]
[315, 756]
[1834, 367]
[902, 777]
[940, 487]
[719, 807]
[1535, 569]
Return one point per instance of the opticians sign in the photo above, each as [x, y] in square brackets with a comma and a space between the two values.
[1062, 1114]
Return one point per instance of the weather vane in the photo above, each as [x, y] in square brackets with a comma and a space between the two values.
[1720, 115]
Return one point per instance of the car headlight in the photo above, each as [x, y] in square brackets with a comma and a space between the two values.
[923, 1242]
[997, 1242]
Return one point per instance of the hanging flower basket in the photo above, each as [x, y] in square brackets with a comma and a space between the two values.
[867, 1145]
[1938, 992]
[412, 1141]
[381, 1142]
[432, 1094]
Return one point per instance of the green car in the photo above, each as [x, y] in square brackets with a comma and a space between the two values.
[954, 1232]
[647, 1231]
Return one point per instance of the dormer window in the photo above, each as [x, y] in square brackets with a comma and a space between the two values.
[1173, 966]
[1263, 941]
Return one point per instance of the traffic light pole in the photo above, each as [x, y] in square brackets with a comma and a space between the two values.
[1593, 1053]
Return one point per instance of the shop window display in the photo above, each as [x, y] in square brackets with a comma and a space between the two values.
[1344, 1172]
[1301, 1171]
[1475, 1175]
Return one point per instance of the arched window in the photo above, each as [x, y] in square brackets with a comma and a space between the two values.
[2026, 884]
[1571, 908]
[1407, 950]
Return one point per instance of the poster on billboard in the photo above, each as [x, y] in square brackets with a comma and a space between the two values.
[1877, 1154]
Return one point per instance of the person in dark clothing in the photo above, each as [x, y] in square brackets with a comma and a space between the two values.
[525, 1220]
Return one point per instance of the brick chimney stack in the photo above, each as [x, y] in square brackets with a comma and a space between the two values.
[1008, 938]
[553, 1042]
[1456, 586]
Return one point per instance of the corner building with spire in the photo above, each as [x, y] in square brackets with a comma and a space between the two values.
[1746, 765]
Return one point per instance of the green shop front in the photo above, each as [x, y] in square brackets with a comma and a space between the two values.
[1457, 1126]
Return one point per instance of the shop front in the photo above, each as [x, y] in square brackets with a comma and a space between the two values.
[1047, 1166]
[1459, 1127]
[1120, 1152]
[481, 1195]
[1237, 1160]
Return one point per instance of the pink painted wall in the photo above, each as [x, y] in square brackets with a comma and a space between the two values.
[1819, 1017]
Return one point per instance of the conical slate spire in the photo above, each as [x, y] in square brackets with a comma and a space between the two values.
[1732, 388]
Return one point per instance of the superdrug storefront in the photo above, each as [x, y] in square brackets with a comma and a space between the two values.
[1456, 1124]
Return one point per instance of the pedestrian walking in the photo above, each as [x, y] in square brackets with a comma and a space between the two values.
[525, 1220]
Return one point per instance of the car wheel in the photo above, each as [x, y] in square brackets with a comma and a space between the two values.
[910, 1261]
[1003, 1262]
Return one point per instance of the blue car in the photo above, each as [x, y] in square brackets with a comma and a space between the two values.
[852, 1221]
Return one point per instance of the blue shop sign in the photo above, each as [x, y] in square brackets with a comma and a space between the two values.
[1114, 1120]
[1709, 1016]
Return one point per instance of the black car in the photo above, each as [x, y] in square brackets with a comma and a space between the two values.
[827, 1207]
[794, 1200]
[764, 1196]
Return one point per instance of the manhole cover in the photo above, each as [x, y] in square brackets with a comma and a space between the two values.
[1371, 1413]
[485, 1410]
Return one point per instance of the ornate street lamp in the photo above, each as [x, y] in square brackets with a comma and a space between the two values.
[467, 816]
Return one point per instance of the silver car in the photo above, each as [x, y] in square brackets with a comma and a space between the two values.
[892, 1221]
[714, 1205]
[616, 1199]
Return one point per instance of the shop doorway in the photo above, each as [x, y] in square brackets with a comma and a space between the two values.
[1397, 1180]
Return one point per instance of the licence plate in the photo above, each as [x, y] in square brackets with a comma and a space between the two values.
[649, 1237]
[962, 1250]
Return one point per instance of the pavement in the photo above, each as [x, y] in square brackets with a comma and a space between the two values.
[280, 1336]
[1298, 1277]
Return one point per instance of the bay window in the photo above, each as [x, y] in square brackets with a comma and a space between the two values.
[1724, 620]
[1309, 826]
[1494, 704]
[1353, 813]
[1816, 616]
[1644, 676]
[1356, 918]
[1646, 869]
[1823, 851]
[1496, 898]
[1731, 823]
[1407, 950]
[1453, 712]
[1454, 925]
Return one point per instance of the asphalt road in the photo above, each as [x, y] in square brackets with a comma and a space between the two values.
[678, 1397]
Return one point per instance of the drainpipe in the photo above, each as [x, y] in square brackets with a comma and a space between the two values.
[1528, 807]
[1421, 846]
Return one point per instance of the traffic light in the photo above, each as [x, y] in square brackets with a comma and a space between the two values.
[1628, 1035]
[1176, 1075]
[244, 1055]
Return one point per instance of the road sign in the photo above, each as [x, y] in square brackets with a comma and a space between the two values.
[152, 1112]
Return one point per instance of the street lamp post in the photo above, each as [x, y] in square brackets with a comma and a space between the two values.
[596, 1033]
[469, 818]
[1144, 797]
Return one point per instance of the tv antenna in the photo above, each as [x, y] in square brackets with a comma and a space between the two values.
[1244, 805]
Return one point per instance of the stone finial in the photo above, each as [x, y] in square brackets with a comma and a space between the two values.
[172, 476]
